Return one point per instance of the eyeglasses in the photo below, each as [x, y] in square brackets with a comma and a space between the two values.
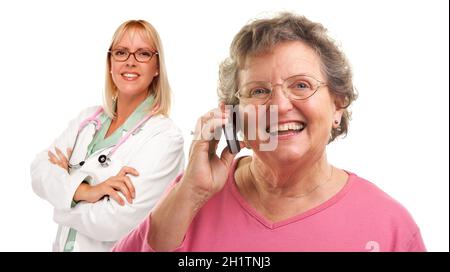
[140, 55]
[298, 87]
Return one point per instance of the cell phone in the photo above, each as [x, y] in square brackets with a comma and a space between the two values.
[230, 131]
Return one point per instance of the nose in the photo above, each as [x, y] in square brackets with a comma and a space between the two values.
[280, 99]
[131, 61]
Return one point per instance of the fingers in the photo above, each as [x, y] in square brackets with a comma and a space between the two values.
[212, 129]
[128, 170]
[212, 148]
[52, 158]
[209, 139]
[222, 106]
[119, 185]
[122, 174]
[62, 157]
[115, 184]
[114, 195]
[130, 186]
[208, 123]
[69, 152]
[208, 132]
[227, 157]
[225, 109]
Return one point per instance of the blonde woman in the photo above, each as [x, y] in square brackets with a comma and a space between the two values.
[104, 173]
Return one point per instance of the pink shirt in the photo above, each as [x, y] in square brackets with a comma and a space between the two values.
[360, 217]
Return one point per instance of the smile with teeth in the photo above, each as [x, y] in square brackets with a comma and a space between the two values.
[130, 76]
[286, 128]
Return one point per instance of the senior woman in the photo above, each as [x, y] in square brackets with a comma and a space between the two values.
[289, 198]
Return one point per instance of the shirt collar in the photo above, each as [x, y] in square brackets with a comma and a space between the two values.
[137, 115]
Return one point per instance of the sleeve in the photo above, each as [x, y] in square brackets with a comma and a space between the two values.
[158, 162]
[50, 181]
[416, 243]
[136, 240]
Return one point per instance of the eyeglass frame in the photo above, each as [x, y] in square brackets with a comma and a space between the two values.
[133, 53]
[272, 87]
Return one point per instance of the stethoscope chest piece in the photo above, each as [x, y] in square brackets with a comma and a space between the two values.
[104, 160]
[76, 166]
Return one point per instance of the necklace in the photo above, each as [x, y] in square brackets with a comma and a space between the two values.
[304, 194]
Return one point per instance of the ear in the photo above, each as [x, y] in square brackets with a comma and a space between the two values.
[337, 117]
[338, 111]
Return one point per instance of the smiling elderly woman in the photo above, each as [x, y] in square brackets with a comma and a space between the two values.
[289, 198]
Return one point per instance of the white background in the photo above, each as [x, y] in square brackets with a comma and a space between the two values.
[52, 64]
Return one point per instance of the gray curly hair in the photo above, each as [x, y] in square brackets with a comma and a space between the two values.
[260, 36]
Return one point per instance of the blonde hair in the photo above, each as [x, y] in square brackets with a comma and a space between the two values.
[260, 36]
[159, 87]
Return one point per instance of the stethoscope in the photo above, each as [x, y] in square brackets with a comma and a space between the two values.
[103, 159]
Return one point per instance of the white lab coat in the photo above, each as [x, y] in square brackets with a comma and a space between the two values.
[156, 152]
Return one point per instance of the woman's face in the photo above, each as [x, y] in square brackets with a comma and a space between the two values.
[131, 77]
[303, 126]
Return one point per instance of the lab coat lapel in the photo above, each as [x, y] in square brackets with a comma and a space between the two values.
[84, 139]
